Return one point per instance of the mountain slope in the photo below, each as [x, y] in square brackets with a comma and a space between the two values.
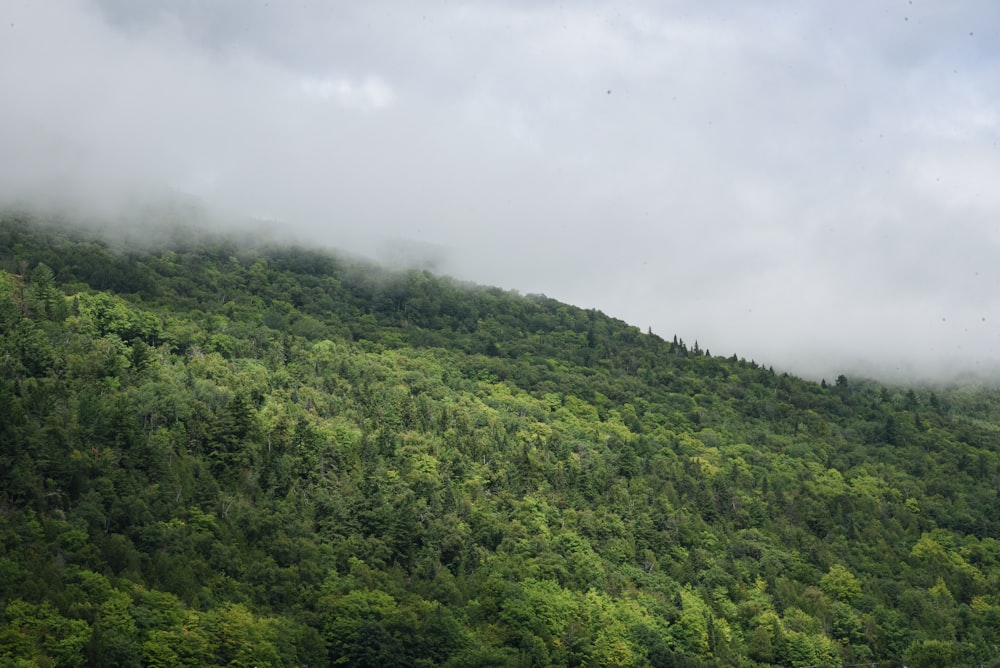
[217, 453]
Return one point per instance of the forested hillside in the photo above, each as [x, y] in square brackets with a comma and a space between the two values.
[220, 453]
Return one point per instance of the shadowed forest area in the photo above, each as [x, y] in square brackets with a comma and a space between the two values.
[220, 452]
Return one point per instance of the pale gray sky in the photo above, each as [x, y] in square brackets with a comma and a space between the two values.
[813, 185]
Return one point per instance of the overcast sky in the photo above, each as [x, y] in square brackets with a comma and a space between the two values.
[815, 185]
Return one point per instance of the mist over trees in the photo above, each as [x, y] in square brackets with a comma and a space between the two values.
[220, 453]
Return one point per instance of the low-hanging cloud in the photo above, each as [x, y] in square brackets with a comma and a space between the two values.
[803, 185]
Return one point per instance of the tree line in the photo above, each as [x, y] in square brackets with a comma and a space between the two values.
[216, 452]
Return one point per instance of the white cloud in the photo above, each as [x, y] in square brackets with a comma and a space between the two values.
[366, 94]
[789, 181]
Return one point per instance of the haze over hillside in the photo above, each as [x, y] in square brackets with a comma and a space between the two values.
[219, 453]
[802, 184]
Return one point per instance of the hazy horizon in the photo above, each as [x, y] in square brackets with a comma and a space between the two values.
[803, 185]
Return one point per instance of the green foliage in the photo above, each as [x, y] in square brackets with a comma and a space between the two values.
[216, 453]
[840, 584]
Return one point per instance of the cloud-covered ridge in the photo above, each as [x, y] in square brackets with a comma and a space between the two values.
[800, 184]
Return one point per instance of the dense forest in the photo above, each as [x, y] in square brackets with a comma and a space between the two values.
[218, 452]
